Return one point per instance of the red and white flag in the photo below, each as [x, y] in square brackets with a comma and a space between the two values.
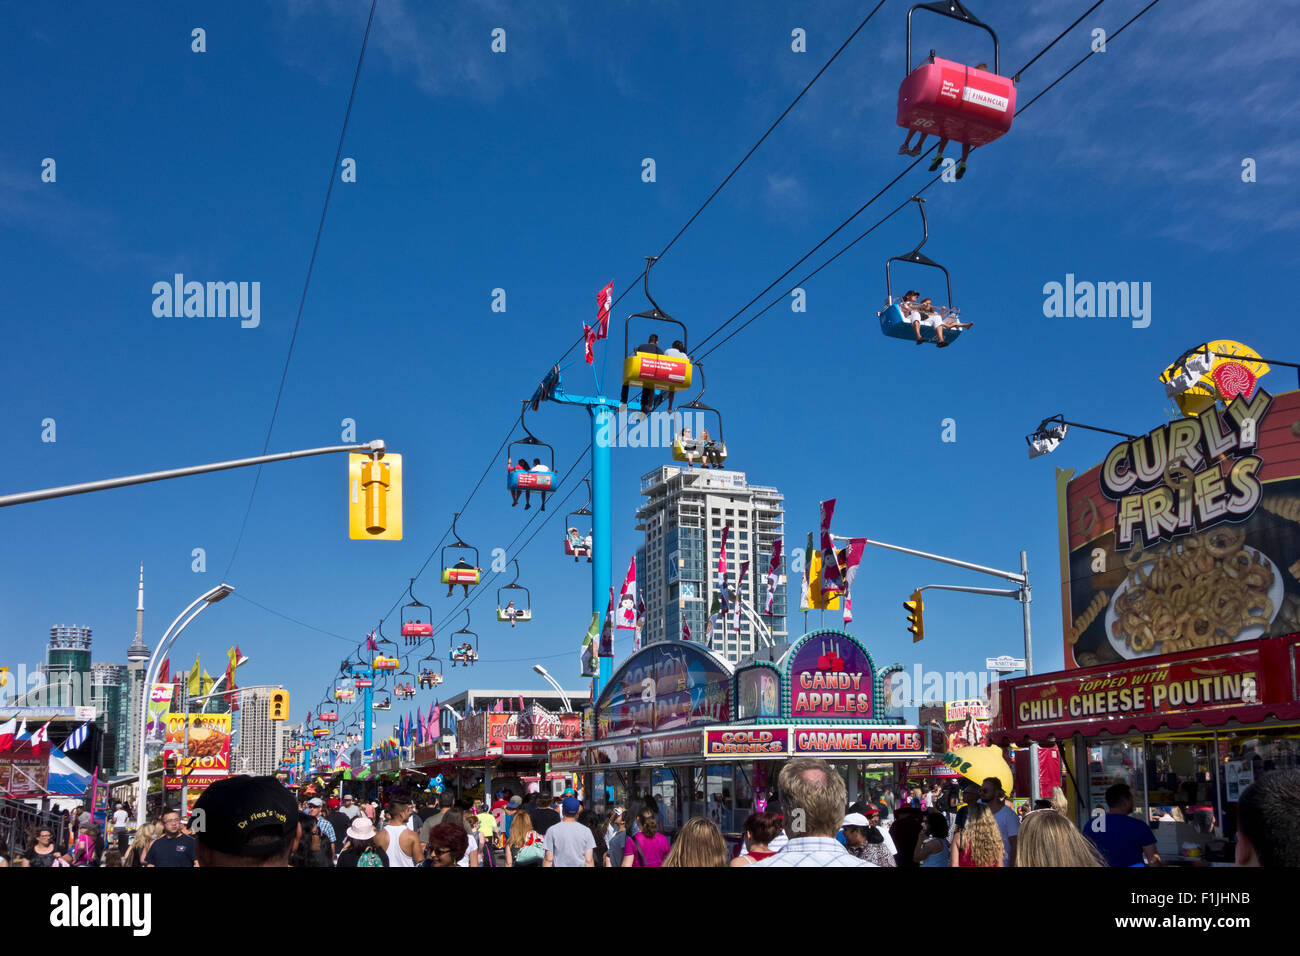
[8, 730]
[686, 631]
[41, 738]
[832, 583]
[853, 557]
[773, 576]
[604, 302]
[625, 616]
[588, 340]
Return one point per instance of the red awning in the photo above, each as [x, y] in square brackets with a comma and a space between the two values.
[1248, 682]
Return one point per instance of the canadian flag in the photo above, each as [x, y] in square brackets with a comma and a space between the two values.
[626, 616]
[41, 738]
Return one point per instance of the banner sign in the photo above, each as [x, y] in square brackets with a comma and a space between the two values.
[747, 741]
[831, 677]
[673, 745]
[967, 723]
[1225, 680]
[208, 748]
[623, 752]
[160, 702]
[568, 758]
[669, 685]
[758, 693]
[1186, 538]
[24, 777]
[902, 741]
[524, 748]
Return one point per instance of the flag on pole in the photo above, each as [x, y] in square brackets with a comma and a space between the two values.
[773, 569]
[499, 706]
[721, 587]
[832, 580]
[195, 685]
[521, 703]
[232, 656]
[604, 303]
[740, 587]
[435, 722]
[371, 645]
[852, 559]
[8, 730]
[41, 738]
[75, 739]
[165, 672]
[626, 616]
[686, 631]
[588, 340]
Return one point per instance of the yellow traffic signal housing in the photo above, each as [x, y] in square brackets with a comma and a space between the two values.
[279, 705]
[375, 497]
[915, 610]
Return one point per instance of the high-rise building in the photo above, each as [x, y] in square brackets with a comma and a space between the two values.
[137, 662]
[67, 668]
[108, 682]
[261, 739]
[683, 517]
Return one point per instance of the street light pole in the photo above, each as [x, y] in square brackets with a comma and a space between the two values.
[564, 698]
[151, 673]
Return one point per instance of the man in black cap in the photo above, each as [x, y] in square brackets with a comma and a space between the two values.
[246, 821]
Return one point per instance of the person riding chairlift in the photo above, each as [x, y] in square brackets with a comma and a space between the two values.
[514, 492]
[539, 467]
[677, 350]
[651, 346]
[511, 612]
[461, 565]
[924, 313]
[712, 450]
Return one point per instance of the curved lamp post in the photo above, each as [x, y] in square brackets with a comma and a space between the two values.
[151, 673]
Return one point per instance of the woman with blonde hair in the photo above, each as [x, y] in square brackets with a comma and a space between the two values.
[524, 847]
[699, 844]
[1059, 803]
[1049, 839]
[144, 838]
[979, 843]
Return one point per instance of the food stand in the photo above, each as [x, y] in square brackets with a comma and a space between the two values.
[1181, 597]
[676, 721]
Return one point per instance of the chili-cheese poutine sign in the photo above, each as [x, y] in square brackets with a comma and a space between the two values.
[1186, 538]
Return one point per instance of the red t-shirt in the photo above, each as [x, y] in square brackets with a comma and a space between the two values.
[497, 805]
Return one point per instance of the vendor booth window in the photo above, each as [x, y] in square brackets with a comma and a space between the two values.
[616, 788]
[1111, 761]
[693, 802]
[719, 793]
[1184, 802]
[664, 788]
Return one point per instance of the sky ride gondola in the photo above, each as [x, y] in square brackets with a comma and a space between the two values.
[414, 629]
[952, 101]
[905, 318]
[708, 450]
[650, 366]
[467, 651]
[507, 609]
[539, 475]
[430, 678]
[462, 572]
[577, 543]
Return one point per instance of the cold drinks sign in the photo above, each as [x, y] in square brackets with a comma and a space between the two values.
[831, 678]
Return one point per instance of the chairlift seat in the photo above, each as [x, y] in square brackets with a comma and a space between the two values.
[460, 575]
[417, 629]
[664, 372]
[386, 663]
[695, 447]
[575, 550]
[895, 326]
[519, 480]
[957, 102]
[522, 615]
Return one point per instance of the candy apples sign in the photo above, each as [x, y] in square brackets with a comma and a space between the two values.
[830, 677]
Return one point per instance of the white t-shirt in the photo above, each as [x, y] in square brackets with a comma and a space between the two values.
[470, 847]
[540, 468]
[1009, 825]
[119, 819]
[350, 811]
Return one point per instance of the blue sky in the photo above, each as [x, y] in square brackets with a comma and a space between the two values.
[522, 171]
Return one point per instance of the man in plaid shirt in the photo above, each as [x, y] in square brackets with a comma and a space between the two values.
[314, 807]
[812, 802]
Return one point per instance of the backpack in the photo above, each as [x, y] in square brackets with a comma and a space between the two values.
[369, 858]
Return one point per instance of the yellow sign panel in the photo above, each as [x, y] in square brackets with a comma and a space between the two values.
[375, 497]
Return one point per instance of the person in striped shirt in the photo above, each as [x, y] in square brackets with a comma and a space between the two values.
[813, 797]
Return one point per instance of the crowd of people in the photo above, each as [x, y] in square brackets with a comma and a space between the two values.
[255, 821]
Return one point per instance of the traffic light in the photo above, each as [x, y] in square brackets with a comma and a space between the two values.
[915, 609]
[279, 705]
[375, 497]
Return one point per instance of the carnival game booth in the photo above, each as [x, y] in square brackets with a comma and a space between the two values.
[677, 722]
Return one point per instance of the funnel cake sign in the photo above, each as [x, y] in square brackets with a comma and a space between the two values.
[831, 677]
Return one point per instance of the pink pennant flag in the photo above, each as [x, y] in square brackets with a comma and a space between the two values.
[853, 557]
[625, 617]
[773, 576]
[604, 302]
[832, 582]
